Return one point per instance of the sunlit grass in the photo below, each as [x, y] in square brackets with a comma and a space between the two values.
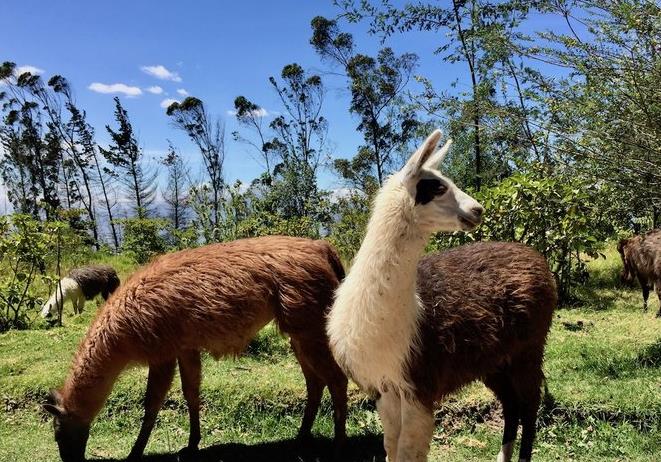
[603, 368]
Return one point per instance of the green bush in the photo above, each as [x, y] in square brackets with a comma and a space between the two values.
[563, 217]
[28, 249]
[348, 230]
[144, 237]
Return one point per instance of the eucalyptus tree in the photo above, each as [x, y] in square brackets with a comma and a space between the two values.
[126, 158]
[31, 161]
[607, 112]
[82, 137]
[483, 35]
[208, 135]
[377, 85]
[294, 146]
[175, 194]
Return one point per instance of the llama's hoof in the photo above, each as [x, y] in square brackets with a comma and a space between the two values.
[188, 454]
[304, 438]
[338, 451]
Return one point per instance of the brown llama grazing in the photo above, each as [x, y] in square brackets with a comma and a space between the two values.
[488, 309]
[213, 298]
[641, 256]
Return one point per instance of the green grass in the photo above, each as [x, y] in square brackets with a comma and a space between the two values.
[603, 366]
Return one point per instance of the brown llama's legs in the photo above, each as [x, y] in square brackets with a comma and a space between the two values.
[527, 380]
[338, 391]
[190, 369]
[158, 384]
[657, 288]
[315, 388]
[502, 387]
[646, 291]
[320, 369]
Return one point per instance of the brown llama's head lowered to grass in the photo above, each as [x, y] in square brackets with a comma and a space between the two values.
[214, 298]
[70, 434]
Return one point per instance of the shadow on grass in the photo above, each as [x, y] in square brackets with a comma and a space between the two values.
[367, 448]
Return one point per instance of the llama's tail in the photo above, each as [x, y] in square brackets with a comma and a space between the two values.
[64, 290]
[336, 263]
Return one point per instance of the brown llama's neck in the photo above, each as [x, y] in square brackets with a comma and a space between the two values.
[96, 367]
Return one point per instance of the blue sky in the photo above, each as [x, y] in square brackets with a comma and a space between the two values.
[210, 49]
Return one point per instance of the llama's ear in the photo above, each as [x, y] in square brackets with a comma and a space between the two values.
[436, 159]
[418, 159]
[54, 397]
[56, 411]
[53, 404]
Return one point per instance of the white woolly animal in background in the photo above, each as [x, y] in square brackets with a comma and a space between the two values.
[81, 284]
[67, 289]
[373, 325]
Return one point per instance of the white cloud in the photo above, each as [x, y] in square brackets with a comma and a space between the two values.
[155, 90]
[28, 68]
[115, 88]
[182, 92]
[167, 101]
[161, 72]
[261, 112]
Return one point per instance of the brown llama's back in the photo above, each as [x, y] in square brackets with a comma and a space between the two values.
[487, 305]
[217, 297]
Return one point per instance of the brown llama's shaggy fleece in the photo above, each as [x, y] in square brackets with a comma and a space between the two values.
[487, 311]
[641, 256]
[213, 298]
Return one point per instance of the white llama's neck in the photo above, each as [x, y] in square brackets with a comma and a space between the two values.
[392, 246]
[373, 324]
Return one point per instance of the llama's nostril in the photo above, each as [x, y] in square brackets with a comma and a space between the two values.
[478, 210]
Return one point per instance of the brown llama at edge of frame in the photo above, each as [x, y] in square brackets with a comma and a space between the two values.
[488, 310]
[641, 256]
[213, 298]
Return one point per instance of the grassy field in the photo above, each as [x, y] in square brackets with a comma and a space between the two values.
[603, 365]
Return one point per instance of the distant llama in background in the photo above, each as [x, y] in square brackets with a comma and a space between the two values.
[641, 256]
[81, 284]
[213, 298]
[411, 333]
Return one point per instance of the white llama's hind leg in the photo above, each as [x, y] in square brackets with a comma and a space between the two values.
[389, 407]
[506, 451]
[416, 433]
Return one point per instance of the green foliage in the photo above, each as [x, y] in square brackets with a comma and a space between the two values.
[564, 217]
[125, 155]
[377, 86]
[27, 248]
[144, 237]
[348, 229]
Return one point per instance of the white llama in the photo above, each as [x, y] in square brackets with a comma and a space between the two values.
[373, 325]
[81, 284]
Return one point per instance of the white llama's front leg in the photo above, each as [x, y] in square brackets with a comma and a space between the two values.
[416, 433]
[389, 407]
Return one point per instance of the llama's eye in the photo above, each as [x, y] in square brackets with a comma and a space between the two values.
[427, 189]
